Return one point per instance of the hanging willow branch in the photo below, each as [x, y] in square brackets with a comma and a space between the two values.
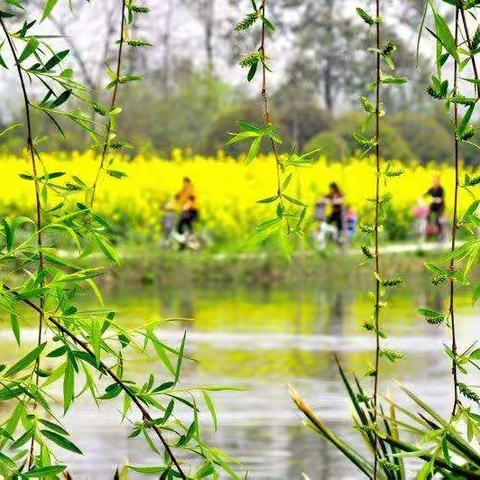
[377, 227]
[290, 212]
[456, 161]
[266, 112]
[374, 111]
[38, 206]
[456, 266]
[147, 418]
[109, 141]
[111, 113]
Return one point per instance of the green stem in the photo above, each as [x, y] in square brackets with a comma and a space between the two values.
[454, 225]
[112, 105]
[266, 109]
[377, 240]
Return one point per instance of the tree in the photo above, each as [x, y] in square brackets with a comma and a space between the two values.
[204, 12]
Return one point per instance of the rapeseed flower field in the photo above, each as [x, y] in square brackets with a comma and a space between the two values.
[227, 189]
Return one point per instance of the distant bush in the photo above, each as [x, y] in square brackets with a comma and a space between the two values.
[301, 120]
[427, 138]
[394, 147]
[331, 143]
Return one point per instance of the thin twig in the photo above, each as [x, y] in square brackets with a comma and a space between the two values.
[377, 227]
[106, 370]
[38, 205]
[454, 224]
[469, 43]
[112, 105]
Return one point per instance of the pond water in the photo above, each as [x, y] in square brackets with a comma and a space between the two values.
[262, 339]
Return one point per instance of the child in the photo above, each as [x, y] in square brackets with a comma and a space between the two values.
[421, 212]
[168, 220]
[352, 220]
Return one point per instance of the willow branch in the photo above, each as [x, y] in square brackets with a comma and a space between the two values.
[377, 241]
[266, 109]
[454, 223]
[107, 371]
[38, 205]
[112, 104]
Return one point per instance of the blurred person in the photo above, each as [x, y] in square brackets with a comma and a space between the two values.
[337, 215]
[420, 214]
[168, 222]
[436, 208]
[352, 220]
[323, 230]
[188, 216]
[189, 212]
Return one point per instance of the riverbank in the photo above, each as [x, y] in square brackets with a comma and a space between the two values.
[150, 265]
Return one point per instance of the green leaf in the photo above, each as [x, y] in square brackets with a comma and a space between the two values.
[476, 293]
[146, 469]
[96, 338]
[25, 361]
[211, 408]
[162, 354]
[295, 201]
[61, 441]
[432, 316]
[107, 248]
[2, 61]
[116, 174]
[252, 70]
[68, 386]
[254, 149]
[8, 234]
[49, 6]
[55, 60]
[368, 19]
[54, 427]
[425, 471]
[180, 358]
[465, 120]
[445, 36]
[29, 49]
[15, 327]
[42, 472]
[8, 129]
[61, 99]
[268, 199]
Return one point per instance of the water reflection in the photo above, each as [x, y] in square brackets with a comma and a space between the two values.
[263, 339]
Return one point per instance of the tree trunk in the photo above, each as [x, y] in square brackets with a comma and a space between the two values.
[166, 52]
[327, 74]
[328, 85]
[209, 23]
